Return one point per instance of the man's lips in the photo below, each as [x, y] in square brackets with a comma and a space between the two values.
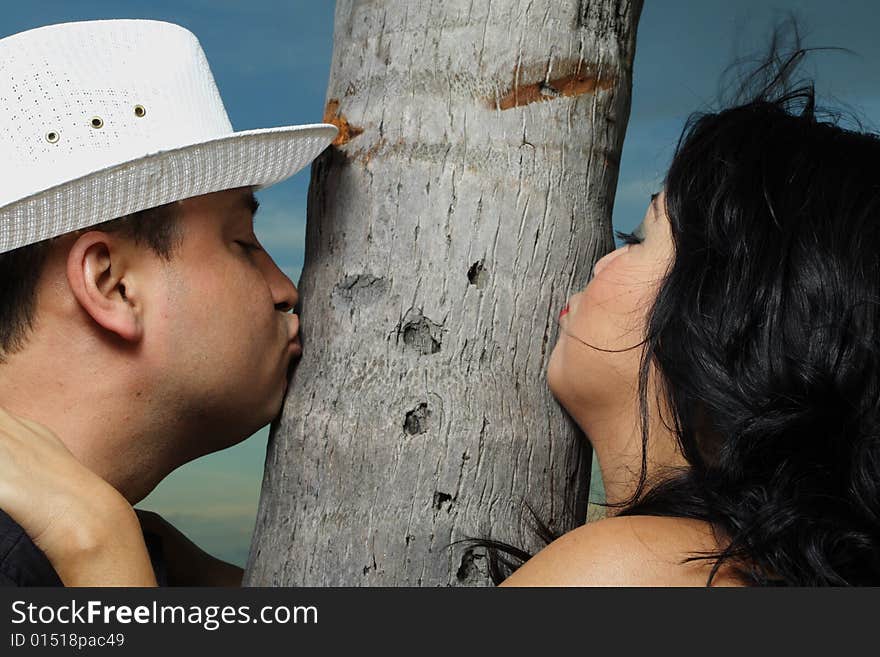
[293, 329]
[294, 346]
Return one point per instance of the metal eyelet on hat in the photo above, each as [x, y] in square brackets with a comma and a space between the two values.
[52, 136]
[139, 110]
[97, 122]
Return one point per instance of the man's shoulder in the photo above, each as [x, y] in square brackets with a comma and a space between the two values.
[624, 551]
[21, 562]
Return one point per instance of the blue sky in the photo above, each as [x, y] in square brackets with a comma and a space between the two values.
[271, 60]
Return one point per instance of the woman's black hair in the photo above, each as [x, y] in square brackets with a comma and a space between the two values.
[766, 334]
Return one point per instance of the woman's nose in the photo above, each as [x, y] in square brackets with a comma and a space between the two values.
[602, 262]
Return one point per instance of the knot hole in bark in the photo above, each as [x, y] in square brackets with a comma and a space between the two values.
[420, 333]
[357, 291]
[477, 275]
[416, 420]
[468, 569]
[442, 500]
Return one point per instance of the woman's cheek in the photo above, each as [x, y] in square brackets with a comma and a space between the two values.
[577, 373]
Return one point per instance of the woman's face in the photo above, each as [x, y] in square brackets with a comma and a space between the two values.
[610, 313]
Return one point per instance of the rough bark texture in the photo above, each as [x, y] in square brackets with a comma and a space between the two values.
[468, 194]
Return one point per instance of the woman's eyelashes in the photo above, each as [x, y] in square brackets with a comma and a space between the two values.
[638, 235]
[634, 237]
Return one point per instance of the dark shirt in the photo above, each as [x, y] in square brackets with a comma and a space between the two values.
[23, 564]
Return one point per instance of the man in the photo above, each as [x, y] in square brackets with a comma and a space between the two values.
[140, 320]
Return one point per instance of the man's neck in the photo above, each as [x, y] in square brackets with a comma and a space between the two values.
[101, 419]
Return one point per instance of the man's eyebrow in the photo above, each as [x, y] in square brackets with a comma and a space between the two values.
[251, 203]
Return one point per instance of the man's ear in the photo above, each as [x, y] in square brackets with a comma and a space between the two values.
[98, 278]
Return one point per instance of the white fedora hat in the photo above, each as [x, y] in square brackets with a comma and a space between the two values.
[99, 119]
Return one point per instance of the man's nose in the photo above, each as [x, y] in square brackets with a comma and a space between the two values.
[289, 295]
[284, 292]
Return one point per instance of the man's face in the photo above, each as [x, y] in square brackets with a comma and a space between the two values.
[221, 324]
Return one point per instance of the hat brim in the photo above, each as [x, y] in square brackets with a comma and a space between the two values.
[258, 158]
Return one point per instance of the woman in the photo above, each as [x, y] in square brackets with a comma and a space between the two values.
[725, 362]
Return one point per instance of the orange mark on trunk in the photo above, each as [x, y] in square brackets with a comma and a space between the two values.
[584, 80]
[347, 132]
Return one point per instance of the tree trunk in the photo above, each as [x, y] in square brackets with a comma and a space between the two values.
[468, 194]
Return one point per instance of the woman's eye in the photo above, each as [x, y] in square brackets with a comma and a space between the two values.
[635, 237]
[629, 238]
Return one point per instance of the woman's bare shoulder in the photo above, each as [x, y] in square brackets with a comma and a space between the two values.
[626, 551]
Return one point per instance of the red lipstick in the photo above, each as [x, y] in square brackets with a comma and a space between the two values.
[564, 312]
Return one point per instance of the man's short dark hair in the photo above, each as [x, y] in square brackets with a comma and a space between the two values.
[157, 228]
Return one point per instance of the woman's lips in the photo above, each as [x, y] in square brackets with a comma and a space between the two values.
[564, 312]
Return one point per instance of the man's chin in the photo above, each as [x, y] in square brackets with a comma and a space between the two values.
[291, 367]
[279, 406]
